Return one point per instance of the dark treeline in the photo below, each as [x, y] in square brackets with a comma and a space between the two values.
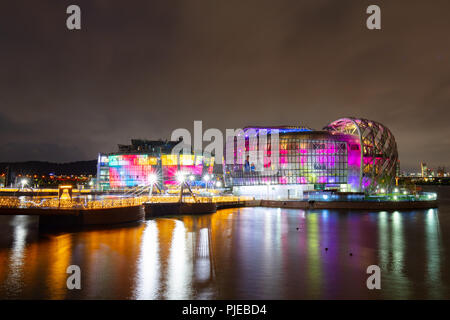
[46, 168]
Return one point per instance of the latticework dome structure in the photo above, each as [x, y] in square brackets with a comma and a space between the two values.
[379, 156]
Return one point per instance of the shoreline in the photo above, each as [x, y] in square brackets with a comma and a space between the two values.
[63, 218]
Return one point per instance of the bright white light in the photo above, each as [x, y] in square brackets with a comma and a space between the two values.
[395, 198]
[192, 178]
[325, 197]
[218, 184]
[405, 192]
[152, 178]
[383, 191]
[206, 177]
[396, 190]
[180, 176]
[23, 182]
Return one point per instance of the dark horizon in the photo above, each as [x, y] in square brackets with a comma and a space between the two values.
[141, 70]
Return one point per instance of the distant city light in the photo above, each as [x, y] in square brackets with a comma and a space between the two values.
[206, 177]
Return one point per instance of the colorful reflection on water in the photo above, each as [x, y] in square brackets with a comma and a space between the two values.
[247, 253]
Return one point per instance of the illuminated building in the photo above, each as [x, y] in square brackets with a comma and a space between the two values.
[135, 164]
[352, 155]
[423, 167]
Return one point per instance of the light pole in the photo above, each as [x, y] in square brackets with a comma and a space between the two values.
[206, 178]
[23, 182]
[181, 180]
[152, 179]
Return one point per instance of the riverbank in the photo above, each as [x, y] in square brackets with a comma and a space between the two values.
[136, 212]
[350, 205]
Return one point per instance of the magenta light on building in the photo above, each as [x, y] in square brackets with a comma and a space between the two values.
[349, 154]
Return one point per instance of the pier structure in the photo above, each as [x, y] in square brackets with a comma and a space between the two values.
[67, 212]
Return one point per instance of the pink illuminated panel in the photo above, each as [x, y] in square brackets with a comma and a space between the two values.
[323, 161]
[130, 170]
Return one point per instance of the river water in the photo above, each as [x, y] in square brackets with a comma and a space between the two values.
[246, 253]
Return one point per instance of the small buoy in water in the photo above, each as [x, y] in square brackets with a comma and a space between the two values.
[326, 249]
[351, 254]
[297, 228]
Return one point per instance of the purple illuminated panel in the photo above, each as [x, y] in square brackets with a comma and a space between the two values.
[320, 158]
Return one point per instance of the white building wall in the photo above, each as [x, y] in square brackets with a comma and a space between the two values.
[274, 192]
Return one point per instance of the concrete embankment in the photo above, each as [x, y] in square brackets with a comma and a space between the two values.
[67, 218]
[238, 204]
[350, 205]
[59, 218]
[177, 208]
[94, 217]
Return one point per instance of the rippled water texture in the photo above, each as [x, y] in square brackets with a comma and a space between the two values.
[247, 253]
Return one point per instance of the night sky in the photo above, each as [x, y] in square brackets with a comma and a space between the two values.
[140, 69]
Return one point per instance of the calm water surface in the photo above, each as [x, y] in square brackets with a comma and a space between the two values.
[247, 253]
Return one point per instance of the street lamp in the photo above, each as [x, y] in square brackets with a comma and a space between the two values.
[152, 179]
[206, 178]
[23, 182]
[180, 177]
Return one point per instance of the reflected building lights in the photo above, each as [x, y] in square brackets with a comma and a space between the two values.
[383, 239]
[238, 253]
[59, 260]
[314, 266]
[179, 281]
[202, 258]
[13, 283]
[148, 277]
[433, 266]
[398, 254]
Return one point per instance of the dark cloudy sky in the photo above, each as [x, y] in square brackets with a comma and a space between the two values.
[144, 68]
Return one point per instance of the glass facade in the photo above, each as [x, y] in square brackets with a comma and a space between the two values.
[379, 160]
[316, 158]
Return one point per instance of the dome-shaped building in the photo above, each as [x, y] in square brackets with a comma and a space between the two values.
[301, 159]
[379, 156]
